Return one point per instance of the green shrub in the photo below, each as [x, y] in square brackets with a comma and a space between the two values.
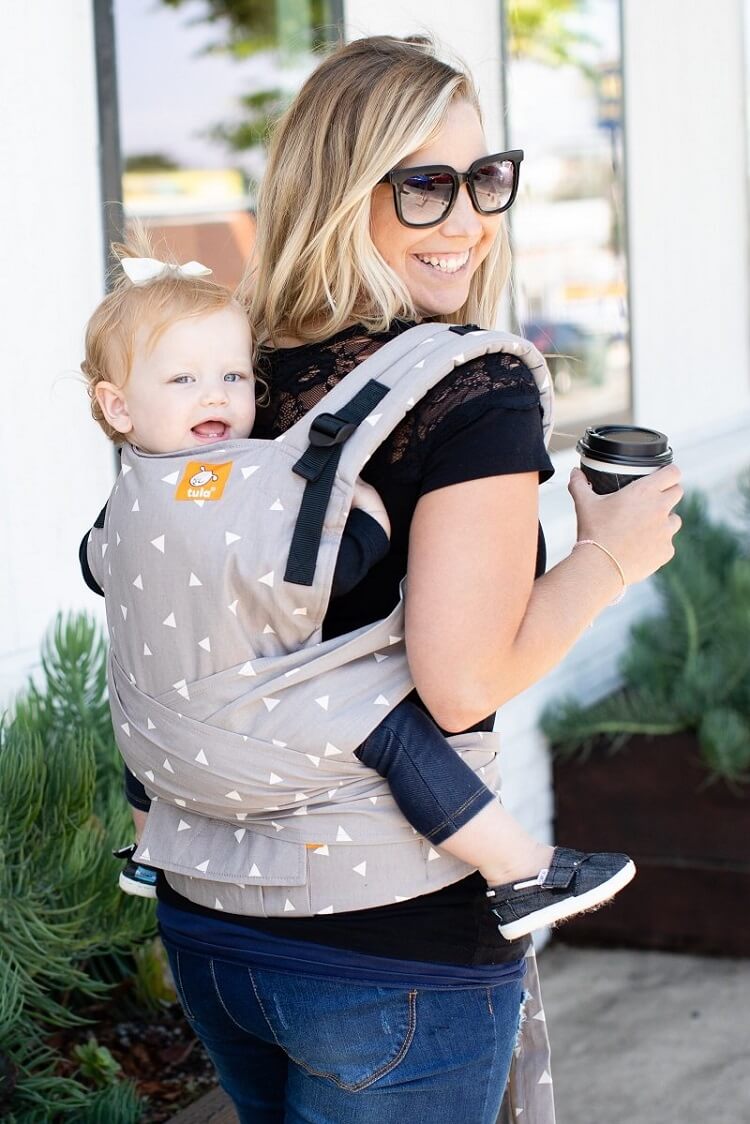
[67, 933]
[688, 667]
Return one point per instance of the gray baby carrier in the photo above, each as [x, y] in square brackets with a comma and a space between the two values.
[240, 721]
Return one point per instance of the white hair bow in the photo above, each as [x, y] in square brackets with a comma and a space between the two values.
[140, 270]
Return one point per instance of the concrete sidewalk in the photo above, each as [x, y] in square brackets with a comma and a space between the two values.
[647, 1037]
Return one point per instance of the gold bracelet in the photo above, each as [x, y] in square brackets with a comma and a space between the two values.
[593, 542]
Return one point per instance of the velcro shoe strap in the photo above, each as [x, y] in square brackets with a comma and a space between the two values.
[565, 863]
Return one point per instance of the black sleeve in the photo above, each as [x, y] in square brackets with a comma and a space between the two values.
[88, 577]
[484, 419]
[135, 793]
[83, 557]
[495, 441]
[363, 543]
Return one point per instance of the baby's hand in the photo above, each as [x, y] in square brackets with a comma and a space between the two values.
[366, 498]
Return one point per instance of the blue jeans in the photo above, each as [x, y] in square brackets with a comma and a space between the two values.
[432, 785]
[300, 1049]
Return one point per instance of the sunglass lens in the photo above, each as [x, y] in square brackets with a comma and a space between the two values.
[493, 185]
[424, 199]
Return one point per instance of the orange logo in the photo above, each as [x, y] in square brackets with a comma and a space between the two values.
[203, 481]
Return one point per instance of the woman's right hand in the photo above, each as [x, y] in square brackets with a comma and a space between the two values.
[637, 524]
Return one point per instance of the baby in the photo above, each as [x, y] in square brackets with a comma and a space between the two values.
[168, 365]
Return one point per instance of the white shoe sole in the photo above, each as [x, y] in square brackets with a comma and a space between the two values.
[569, 907]
[137, 889]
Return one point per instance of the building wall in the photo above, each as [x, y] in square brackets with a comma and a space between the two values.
[57, 467]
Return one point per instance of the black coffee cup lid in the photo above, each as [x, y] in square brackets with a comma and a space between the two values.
[626, 445]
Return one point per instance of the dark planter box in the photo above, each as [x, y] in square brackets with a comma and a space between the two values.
[690, 841]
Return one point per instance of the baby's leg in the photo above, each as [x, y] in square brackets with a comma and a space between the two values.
[139, 822]
[446, 801]
[136, 877]
[531, 884]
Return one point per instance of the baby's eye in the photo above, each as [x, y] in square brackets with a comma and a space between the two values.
[183, 379]
[234, 376]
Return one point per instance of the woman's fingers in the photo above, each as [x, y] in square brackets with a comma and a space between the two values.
[663, 478]
[672, 496]
[637, 524]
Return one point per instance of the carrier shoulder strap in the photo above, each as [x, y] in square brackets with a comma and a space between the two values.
[336, 438]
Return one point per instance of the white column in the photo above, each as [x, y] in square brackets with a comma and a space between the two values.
[685, 134]
[57, 467]
[471, 36]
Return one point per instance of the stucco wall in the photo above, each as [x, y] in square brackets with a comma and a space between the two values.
[57, 469]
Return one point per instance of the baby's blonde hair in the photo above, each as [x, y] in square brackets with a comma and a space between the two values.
[111, 331]
[316, 269]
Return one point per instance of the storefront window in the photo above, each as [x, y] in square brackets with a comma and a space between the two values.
[563, 73]
[199, 82]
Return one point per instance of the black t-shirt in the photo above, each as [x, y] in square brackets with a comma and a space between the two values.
[483, 419]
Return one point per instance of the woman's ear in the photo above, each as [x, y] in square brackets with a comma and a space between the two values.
[112, 404]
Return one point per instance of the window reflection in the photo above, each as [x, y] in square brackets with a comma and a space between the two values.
[199, 83]
[564, 96]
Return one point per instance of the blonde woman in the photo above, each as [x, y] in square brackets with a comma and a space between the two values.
[372, 218]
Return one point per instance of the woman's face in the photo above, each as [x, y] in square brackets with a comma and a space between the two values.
[463, 240]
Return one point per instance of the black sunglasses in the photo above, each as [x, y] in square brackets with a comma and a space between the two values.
[426, 196]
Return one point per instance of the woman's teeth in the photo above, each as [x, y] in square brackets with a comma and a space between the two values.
[445, 265]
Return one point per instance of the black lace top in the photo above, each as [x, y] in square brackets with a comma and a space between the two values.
[482, 420]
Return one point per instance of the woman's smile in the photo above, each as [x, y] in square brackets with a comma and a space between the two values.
[445, 263]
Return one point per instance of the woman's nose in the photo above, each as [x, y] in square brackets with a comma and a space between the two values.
[463, 219]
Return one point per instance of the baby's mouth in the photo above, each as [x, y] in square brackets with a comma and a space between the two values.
[210, 430]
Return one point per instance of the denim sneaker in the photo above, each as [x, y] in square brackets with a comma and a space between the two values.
[135, 878]
[574, 883]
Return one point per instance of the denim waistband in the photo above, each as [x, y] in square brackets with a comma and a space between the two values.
[222, 940]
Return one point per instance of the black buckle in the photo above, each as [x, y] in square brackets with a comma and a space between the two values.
[329, 429]
[462, 329]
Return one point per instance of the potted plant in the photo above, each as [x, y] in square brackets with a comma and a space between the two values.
[659, 768]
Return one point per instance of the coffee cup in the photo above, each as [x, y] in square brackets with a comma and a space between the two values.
[613, 456]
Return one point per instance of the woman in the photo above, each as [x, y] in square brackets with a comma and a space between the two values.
[411, 1007]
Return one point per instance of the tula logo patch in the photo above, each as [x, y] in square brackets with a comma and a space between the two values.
[203, 481]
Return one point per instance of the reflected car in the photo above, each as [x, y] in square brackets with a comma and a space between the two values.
[573, 353]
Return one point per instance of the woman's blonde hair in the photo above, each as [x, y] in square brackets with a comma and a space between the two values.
[111, 331]
[315, 268]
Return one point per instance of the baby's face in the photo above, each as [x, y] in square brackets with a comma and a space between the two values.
[194, 387]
